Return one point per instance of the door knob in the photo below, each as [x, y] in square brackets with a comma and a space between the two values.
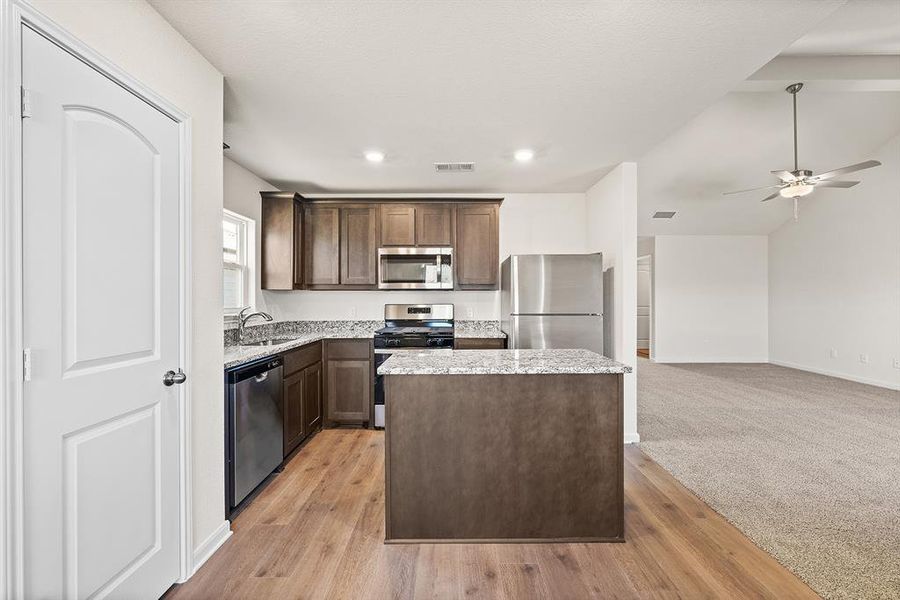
[171, 377]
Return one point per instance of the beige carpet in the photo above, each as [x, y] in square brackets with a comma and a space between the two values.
[805, 465]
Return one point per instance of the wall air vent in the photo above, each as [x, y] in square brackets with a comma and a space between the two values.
[453, 167]
[664, 214]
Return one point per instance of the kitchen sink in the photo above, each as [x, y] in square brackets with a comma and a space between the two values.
[269, 342]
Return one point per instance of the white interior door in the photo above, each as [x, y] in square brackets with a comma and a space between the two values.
[101, 320]
[643, 303]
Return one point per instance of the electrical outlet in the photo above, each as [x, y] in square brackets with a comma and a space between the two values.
[470, 312]
[834, 353]
[352, 312]
[897, 363]
[864, 359]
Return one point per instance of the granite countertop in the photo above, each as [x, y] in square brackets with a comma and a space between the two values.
[501, 362]
[477, 329]
[308, 332]
[300, 332]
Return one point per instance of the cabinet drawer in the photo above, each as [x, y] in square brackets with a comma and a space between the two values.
[479, 343]
[349, 349]
[294, 360]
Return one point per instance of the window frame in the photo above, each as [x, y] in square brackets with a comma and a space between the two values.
[244, 264]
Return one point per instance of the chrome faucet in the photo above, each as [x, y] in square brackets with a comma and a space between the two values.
[242, 321]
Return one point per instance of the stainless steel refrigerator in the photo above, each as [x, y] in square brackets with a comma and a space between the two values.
[553, 301]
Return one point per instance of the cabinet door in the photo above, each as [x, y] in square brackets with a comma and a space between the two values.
[398, 225]
[477, 246]
[479, 343]
[292, 411]
[359, 245]
[349, 390]
[312, 397]
[281, 241]
[322, 245]
[298, 246]
[433, 225]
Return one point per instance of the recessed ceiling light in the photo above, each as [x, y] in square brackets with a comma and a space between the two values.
[524, 155]
[374, 156]
[664, 214]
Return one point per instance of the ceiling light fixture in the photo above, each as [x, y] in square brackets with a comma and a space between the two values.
[796, 190]
[524, 155]
[374, 156]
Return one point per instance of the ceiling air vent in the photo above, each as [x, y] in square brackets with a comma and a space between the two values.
[664, 214]
[453, 167]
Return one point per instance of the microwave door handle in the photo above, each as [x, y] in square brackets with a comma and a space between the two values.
[438, 268]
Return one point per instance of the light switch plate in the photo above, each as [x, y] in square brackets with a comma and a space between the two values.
[864, 359]
[834, 353]
[897, 363]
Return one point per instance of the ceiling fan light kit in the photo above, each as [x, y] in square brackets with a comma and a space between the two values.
[802, 182]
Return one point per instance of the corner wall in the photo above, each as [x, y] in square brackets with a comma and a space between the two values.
[710, 298]
[834, 279]
[137, 39]
[611, 228]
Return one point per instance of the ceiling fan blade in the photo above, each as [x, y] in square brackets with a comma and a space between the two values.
[836, 184]
[765, 187]
[767, 198]
[849, 169]
[784, 175]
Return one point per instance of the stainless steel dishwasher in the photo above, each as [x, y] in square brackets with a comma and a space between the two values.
[254, 428]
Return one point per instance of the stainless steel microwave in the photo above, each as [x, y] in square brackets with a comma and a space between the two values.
[415, 268]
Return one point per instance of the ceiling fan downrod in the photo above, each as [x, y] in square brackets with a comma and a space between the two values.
[792, 90]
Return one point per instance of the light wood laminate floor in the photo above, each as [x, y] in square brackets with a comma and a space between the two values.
[317, 532]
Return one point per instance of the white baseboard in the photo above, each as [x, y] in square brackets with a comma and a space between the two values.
[211, 544]
[632, 438]
[707, 359]
[884, 384]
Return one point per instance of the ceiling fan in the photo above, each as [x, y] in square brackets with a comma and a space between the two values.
[801, 182]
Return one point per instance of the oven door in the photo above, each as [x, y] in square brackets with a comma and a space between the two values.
[415, 268]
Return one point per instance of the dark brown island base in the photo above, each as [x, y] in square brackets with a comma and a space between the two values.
[503, 446]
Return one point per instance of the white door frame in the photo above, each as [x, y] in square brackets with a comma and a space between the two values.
[13, 14]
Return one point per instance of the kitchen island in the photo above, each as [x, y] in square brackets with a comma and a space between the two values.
[503, 446]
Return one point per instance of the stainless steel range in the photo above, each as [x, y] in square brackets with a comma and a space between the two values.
[423, 327]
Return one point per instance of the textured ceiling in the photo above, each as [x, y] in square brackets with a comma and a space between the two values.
[309, 86]
[736, 142]
[848, 110]
[859, 27]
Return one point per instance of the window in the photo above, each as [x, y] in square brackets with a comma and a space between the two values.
[237, 257]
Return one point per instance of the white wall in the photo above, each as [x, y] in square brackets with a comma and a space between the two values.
[710, 298]
[834, 279]
[529, 224]
[611, 228]
[241, 189]
[137, 39]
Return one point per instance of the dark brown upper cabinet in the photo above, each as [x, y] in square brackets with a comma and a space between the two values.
[477, 246]
[398, 225]
[323, 245]
[281, 240]
[434, 225]
[359, 245]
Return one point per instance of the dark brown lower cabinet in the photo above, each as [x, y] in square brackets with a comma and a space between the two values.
[292, 412]
[348, 374]
[312, 397]
[301, 394]
[479, 343]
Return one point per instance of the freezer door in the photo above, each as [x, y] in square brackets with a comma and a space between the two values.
[566, 332]
[553, 284]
